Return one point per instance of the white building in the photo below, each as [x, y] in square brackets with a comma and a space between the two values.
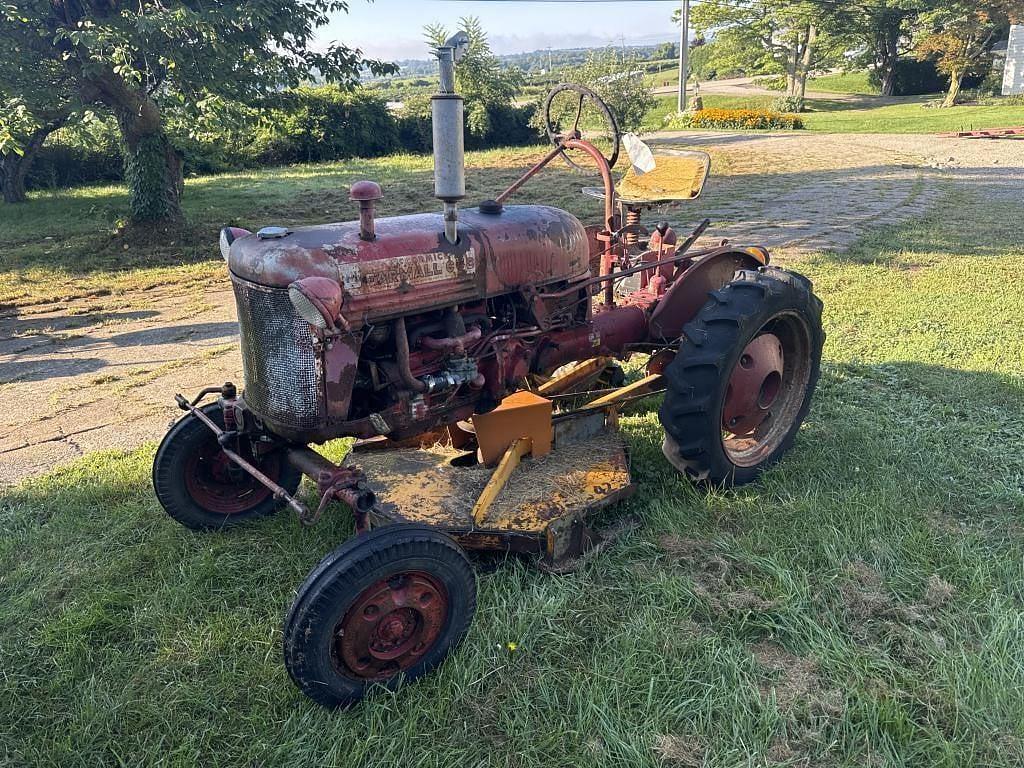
[1013, 72]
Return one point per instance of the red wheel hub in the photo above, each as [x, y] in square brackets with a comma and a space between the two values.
[754, 386]
[217, 484]
[391, 625]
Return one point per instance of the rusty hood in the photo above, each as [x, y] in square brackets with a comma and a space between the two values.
[411, 267]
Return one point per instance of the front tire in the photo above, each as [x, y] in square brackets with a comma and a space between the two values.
[742, 382]
[390, 604]
[200, 487]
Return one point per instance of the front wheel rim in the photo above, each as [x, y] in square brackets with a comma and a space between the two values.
[218, 485]
[767, 390]
[391, 626]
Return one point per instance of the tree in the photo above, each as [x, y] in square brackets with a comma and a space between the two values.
[139, 58]
[479, 76]
[960, 35]
[885, 29]
[773, 35]
[618, 78]
[36, 100]
[665, 51]
[22, 133]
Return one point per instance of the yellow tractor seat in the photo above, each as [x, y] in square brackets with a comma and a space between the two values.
[678, 175]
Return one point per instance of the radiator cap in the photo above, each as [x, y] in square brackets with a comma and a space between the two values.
[272, 233]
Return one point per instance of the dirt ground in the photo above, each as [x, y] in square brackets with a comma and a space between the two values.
[82, 376]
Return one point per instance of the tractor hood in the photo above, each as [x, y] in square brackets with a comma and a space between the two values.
[410, 266]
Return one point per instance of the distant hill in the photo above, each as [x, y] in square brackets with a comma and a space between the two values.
[533, 61]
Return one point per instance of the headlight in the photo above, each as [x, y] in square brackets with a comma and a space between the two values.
[228, 235]
[317, 300]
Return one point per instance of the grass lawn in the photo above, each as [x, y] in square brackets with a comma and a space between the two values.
[836, 116]
[861, 605]
[910, 118]
[844, 82]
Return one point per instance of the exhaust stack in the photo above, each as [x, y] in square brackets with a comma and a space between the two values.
[449, 150]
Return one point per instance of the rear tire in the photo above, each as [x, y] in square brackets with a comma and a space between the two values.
[388, 605]
[768, 318]
[202, 489]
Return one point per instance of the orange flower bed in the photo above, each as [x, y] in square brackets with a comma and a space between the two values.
[748, 119]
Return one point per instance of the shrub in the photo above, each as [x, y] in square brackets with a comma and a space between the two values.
[503, 126]
[325, 123]
[64, 165]
[788, 104]
[306, 125]
[733, 119]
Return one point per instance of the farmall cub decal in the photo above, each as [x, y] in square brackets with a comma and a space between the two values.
[402, 273]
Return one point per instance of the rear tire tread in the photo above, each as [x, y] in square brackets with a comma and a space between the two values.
[707, 351]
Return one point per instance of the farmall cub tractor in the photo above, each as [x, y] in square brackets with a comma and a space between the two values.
[471, 354]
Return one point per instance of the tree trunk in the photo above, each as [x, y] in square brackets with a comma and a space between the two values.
[152, 167]
[806, 61]
[152, 170]
[792, 68]
[956, 79]
[888, 53]
[888, 80]
[12, 177]
[14, 167]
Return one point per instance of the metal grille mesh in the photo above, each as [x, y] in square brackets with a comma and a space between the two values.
[282, 377]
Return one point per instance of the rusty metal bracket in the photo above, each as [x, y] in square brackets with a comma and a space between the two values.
[347, 484]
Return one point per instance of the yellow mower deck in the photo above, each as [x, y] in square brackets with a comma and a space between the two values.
[542, 500]
[524, 503]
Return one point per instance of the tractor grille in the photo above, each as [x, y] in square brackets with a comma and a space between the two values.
[282, 373]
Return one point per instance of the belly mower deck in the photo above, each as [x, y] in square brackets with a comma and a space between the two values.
[523, 504]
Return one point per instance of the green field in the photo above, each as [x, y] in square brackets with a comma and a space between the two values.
[861, 605]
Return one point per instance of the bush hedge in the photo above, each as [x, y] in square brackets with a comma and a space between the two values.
[306, 125]
[918, 78]
[735, 119]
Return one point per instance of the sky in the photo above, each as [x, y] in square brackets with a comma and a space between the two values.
[392, 29]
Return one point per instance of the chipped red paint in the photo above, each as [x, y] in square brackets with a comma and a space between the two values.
[687, 295]
[410, 264]
[391, 625]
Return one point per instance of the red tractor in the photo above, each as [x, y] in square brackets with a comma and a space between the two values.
[391, 329]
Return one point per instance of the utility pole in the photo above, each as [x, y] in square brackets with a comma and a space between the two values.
[684, 51]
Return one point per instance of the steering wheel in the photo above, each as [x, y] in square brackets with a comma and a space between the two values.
[573, 107]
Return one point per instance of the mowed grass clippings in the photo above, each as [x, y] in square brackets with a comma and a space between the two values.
[861, 605]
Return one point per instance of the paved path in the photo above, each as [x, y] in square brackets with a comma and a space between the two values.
[80, 376]
[747, 86]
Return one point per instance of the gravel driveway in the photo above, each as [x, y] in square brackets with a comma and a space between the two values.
[96, 380]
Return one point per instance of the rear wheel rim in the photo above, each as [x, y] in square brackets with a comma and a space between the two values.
[391, 626]
[220, 486]
[767, 390]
